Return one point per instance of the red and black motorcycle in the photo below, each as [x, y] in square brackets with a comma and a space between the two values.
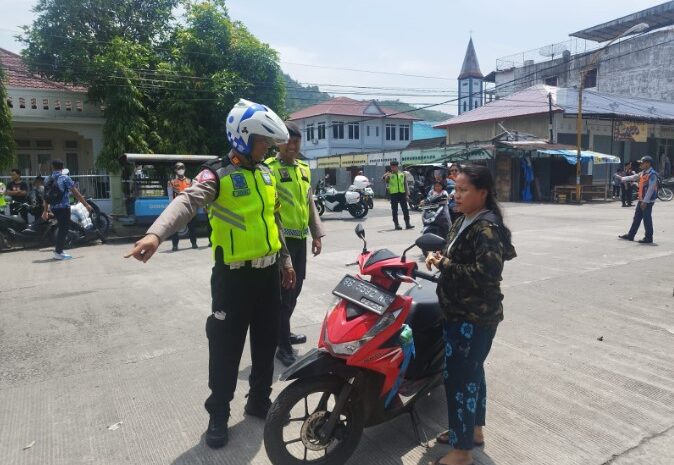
[379, 352]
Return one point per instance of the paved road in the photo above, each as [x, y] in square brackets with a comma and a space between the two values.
[99, 340]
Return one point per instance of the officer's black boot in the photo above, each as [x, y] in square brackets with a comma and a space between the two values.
[409, 226]
[397, 226]
[216, 434]
[257, 407]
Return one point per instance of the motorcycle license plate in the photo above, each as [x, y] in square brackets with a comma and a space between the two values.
[365, 294]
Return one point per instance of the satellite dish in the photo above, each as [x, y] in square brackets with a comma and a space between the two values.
[552, 50]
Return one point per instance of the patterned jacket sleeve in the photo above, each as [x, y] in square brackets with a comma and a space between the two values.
[488, 263]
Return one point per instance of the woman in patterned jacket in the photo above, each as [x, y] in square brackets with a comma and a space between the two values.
[470, 296]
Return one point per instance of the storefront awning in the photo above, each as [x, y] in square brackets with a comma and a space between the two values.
[585, 156]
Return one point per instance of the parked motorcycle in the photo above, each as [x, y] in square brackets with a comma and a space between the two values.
[364, 188]
[85, 227]
[435, 217]
[665, 192]
[379, 352]
[417, 195]
[15, 231]
[327, 198]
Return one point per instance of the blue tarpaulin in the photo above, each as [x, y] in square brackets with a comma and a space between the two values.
[585, 156]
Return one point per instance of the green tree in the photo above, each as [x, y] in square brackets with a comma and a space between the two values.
[6, 133]
[68, 35]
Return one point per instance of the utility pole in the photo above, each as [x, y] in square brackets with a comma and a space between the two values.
[550, 113]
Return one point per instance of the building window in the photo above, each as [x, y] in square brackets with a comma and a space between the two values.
[321, 130]
[390, 132]
[44, 163]
[33, 103]
[45, 104]
[22, 102]
[404, 132]
[354, 131]
[367, 130]
[310, 132]
[71, 144]
[72, 163]
[25, 166]
[464, 106]
[551, 81]
[43, 144]
[590, 79]
[338, 130]
[23, 143]
[376, 131]
[476, 104]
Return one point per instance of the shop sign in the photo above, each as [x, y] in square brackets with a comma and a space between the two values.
[636, 132]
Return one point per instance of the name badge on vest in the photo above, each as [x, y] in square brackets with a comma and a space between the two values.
[267, 179]
[240, 185]
[285, 176]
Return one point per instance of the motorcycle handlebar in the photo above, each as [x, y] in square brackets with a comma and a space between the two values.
[427, 276]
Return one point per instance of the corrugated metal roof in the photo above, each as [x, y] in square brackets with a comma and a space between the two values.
[656, 17]
[525, 102]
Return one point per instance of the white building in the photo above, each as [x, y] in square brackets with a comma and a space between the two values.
[50, 121]
[343, 125]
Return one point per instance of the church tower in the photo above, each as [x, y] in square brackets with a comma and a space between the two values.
[470, 81]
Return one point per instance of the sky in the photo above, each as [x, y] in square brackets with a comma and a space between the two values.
[322, 42]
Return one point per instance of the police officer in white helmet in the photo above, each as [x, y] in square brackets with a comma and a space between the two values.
[251, 260]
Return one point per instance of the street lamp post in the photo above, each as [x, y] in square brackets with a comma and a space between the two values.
[583, 72]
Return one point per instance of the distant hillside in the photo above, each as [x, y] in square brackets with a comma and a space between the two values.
[299, 97]
[427, 115]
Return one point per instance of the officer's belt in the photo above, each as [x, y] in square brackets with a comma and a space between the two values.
[262, 262]
[295, 233]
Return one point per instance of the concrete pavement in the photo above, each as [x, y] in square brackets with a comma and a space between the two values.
[104, 360]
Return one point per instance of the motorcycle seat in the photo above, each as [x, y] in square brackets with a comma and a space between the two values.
[336, 197]
[425, 312]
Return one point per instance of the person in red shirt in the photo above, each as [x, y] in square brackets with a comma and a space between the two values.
[175, 187]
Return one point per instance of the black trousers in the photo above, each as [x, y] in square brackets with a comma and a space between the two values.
[401, 199]
[626, 194]
[62, 216]
[298, 253]
[646, 216]
[616, 190]
[251, 298]
[192, 228]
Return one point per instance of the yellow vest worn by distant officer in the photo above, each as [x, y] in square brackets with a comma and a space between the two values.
[396, 183]
[3, 189]
[242, 216]
[292, 184]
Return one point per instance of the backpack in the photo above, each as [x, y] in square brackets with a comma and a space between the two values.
[52, 192]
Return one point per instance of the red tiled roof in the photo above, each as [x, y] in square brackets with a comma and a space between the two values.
[17, 75]
[344, 106]
[530, 101]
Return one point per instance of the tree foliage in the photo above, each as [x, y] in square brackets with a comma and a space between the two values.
[6, 133]
[167, 88]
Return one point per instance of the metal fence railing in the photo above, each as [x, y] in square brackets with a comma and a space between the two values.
[96, 186]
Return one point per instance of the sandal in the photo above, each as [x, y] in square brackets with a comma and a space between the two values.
[443, 438]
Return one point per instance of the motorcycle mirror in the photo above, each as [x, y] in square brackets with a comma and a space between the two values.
[360, 232]
[430, 241]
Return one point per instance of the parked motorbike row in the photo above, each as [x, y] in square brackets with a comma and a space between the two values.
[84, 228]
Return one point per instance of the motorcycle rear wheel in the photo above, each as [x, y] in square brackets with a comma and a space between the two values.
[665, 194]
[301, 409]
[320, 207]
[358, 210]
[7, 241]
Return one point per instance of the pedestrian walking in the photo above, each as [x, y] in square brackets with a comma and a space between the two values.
[626, 186]
[299, 217]
[17, 191]
[617, 183]
[470, 296]
[175, 186]
[248, 245]
[647, 194]
[57, 190]
[399, 193]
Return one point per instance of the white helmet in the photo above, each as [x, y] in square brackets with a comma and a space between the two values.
[248, 118]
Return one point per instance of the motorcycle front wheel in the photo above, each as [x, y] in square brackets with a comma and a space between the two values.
[320, 207]
[297, 415]
[665, 194]
[7, 240]
[358, 210]
[102, 223]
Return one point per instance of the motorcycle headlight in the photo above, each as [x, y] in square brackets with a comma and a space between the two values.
[351, 347]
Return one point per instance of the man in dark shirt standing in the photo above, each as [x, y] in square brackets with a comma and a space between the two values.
[17, 189]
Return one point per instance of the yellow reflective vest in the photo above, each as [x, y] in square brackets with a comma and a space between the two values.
[396, 183]
[292, 184]
[242, 216]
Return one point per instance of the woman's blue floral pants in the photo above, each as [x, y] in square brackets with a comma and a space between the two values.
[466, 348]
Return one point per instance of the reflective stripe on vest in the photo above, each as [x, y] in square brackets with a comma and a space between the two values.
[396, 183]
[292, 184]
[242, 216]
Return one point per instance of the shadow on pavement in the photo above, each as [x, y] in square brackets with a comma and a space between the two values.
[245, 440]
